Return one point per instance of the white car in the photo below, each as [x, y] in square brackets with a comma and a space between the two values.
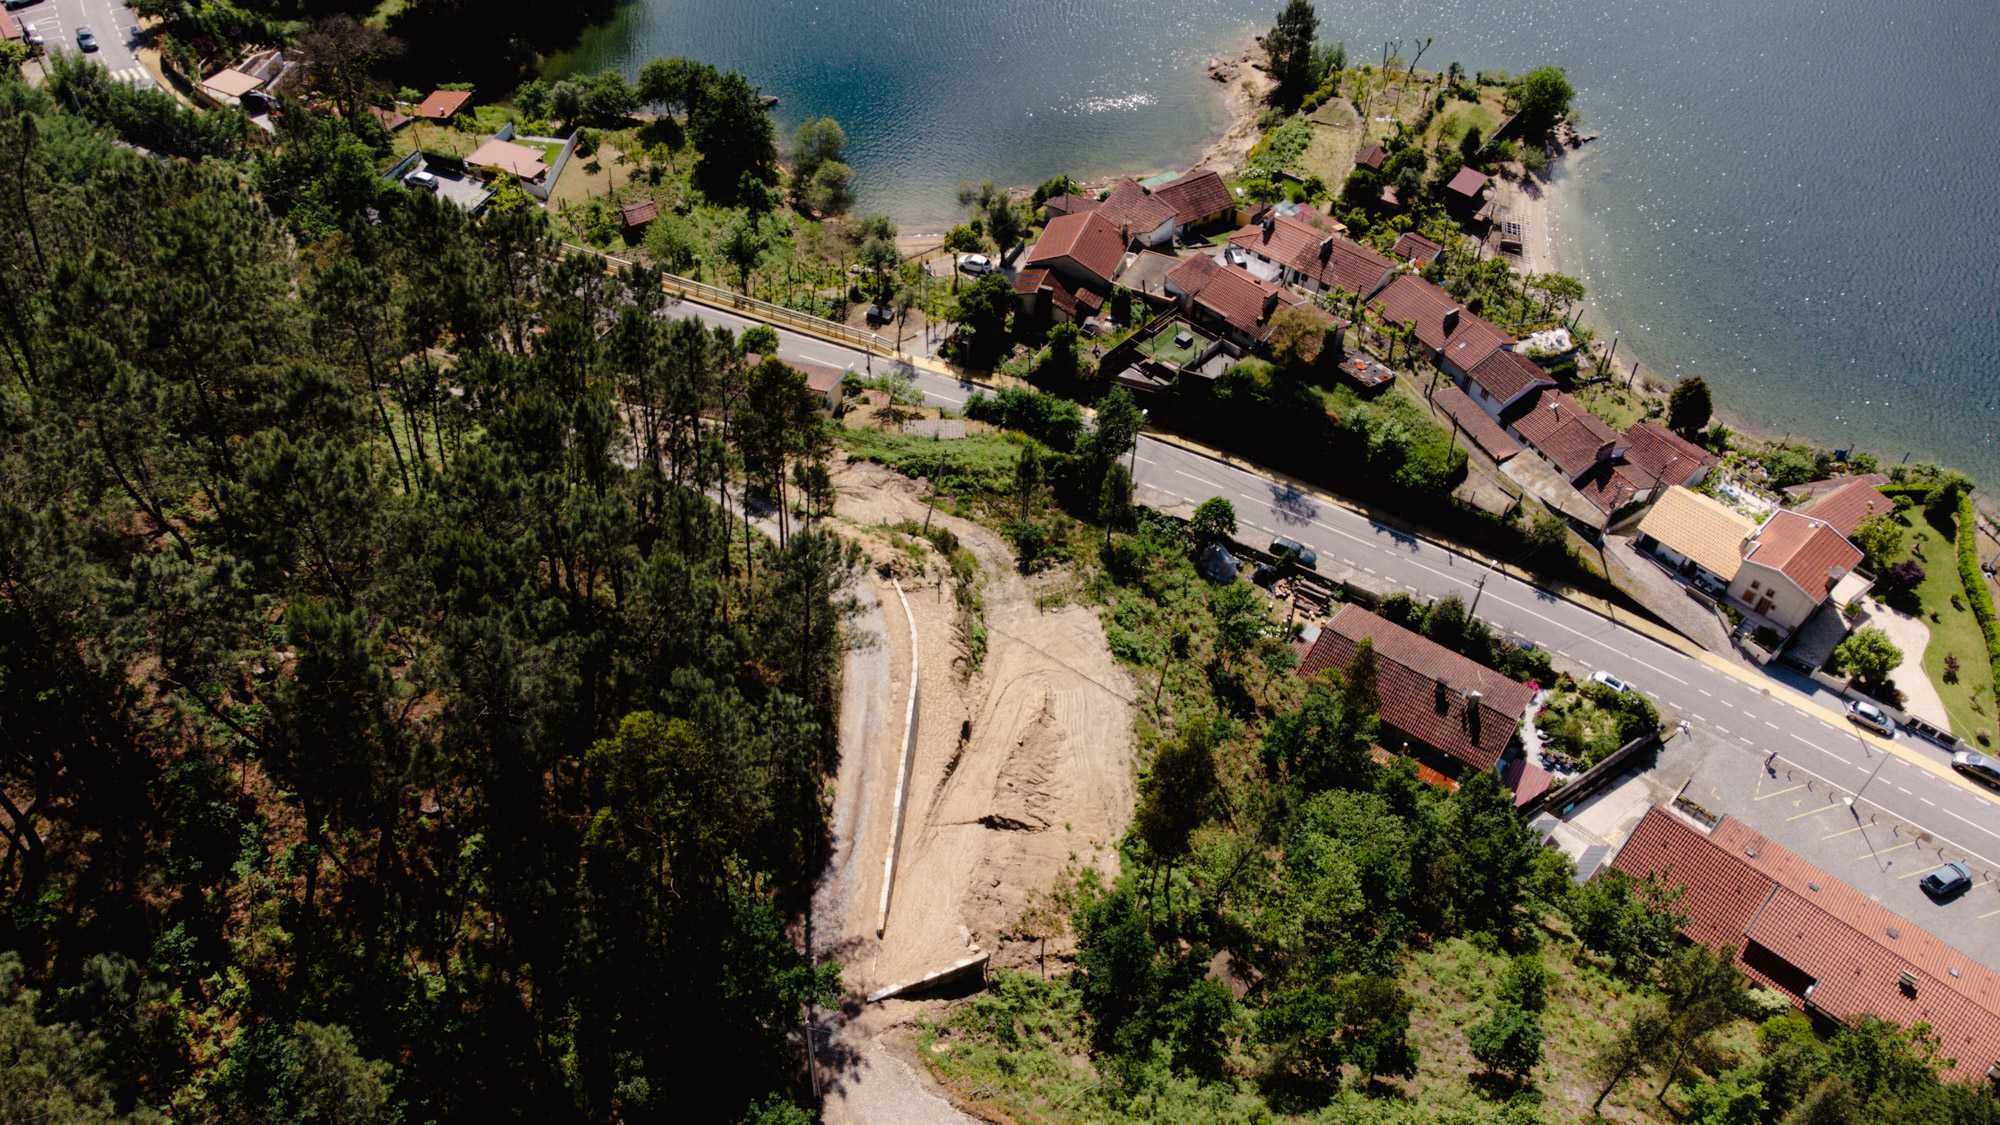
[1610, 681]
[421, 180]
[975, 264]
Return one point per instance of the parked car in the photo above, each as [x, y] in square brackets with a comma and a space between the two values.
[34, 39]
[975, 264]
[1710, 586]
[1977, 766]
[1610, 681]
[1295, 552]
[880, 314]
[1947, 882]
[86, 41]
[1864, 714]
[13, 4]
[421, 180]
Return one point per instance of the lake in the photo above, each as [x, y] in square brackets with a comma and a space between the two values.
[1797, 201]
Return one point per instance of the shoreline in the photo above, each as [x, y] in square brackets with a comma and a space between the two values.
[1542, 252]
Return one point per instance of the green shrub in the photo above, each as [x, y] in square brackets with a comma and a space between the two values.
[1974, 581]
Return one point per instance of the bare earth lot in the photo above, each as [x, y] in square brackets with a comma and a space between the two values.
[1022, 769]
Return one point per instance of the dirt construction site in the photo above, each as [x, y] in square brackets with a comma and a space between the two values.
[1020, 772]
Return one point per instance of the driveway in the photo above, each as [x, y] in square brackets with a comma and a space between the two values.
[1662, 594]
[1920, 696]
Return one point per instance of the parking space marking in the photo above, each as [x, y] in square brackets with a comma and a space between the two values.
[1897, 848]
[1989, 914]
[1812, 812]
[1780, 792]
[1912, 875]
[1842, 832]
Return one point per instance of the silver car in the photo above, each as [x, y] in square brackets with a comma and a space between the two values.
[1977, 766]
[1872, 717]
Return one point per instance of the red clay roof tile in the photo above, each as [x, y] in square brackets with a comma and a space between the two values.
[1423, 688]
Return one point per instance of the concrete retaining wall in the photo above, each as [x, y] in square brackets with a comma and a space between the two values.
[902, 771]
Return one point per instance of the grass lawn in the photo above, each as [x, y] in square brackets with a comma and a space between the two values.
[1955, 631]
[1162, 347]
[1613, 403]
[967, 466]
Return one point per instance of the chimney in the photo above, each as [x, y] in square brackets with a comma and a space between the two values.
[1907, 982]
[1270, 305]
[1451, 320]
[1270, 224]
[1472, 699]
[1326, 248]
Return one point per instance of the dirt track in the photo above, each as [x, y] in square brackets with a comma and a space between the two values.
[1042, 778]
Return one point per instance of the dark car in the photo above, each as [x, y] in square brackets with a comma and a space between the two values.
[13, 4]
[85, 40]
[1949, 881]
[1977, 766]
[1295, 552]
[880, 314]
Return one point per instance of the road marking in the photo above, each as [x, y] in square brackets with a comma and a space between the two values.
[1843, 832]
[1897, 848]
[1146, 460]
[1915, 874]
[1975, 824]
[1772, 725]
[1780, 792]
[1824, 750]
[1989, 914]
[1813, 812]
[1928, 801]
[1706, 692]
[1724, 730]
[1904, 792]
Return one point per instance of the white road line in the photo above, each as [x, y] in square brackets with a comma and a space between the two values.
[1706, 692]
[1975, 824]
[1146, 460]
[1928, 801]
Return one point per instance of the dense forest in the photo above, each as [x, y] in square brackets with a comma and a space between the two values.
[402, 715]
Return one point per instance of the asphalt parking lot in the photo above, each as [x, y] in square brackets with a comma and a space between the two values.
[1881, 852]
[58, 21]
[454, 184]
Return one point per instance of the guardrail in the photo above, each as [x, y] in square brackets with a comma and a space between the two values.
[719, 297]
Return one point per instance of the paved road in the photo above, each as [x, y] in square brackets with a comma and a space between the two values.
[1763, 716]
[58, 20]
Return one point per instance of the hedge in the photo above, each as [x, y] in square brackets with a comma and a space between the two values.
[1976, 593]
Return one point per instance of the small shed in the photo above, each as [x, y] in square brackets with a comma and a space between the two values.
[637, 214]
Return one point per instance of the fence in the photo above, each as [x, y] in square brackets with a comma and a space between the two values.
[1593, 779]
[764, 310]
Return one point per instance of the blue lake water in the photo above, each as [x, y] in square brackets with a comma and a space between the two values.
[1797, 200]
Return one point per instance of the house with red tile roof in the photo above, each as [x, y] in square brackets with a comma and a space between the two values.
[1847, 505]
[1415, 249]
[1465, 193]
[1833, 951]
[1612, 470]
[1198, 198]
[1293, 249]
[1792, 565]
[1477, 355]
[443, 105]
[1086, 249]
[1447, 711]
[1050, 296]
[1067, 204]
[1229, 300]
[1142, 217]
[1371, 157]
